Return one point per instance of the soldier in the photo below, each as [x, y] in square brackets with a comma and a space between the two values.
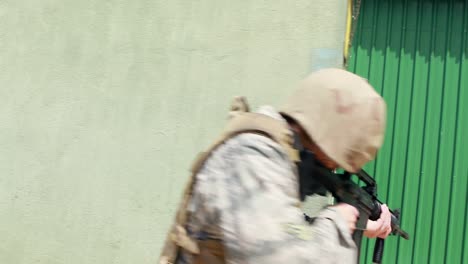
[242, 205]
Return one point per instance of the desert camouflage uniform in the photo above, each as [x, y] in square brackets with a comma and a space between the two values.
[246, 195]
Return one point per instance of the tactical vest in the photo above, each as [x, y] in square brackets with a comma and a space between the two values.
[241, 121]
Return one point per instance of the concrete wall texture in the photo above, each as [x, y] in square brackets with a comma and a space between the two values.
[105, 103]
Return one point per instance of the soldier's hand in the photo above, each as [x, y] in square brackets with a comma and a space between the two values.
[382, 226]
[349, 213]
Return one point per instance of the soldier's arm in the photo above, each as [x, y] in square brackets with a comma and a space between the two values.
[262, 222]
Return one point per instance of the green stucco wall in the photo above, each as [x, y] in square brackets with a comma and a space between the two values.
[105, 103]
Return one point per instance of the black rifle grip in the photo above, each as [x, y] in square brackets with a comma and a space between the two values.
[378, 250]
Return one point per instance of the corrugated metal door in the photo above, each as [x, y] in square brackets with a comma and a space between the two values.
[415, 54]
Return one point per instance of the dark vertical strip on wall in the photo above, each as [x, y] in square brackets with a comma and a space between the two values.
[414, 52]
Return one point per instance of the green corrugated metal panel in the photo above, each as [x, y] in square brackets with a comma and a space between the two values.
[415, 54]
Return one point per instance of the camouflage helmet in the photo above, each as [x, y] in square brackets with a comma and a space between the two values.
[342, 114]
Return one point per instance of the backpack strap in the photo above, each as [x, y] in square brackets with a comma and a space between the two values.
[240, 122]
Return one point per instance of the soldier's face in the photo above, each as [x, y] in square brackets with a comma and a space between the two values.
[323, 158]
[319, 154]
[310, 145]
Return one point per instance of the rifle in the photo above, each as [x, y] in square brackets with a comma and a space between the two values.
[365, 200]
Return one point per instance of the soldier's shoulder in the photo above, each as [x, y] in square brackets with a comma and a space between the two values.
[257, 143]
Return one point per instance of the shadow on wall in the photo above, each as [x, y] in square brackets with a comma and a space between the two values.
[435, 29]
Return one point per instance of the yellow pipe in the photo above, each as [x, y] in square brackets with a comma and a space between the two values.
[349, 22]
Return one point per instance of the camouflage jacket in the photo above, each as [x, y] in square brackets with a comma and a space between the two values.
[246, 195]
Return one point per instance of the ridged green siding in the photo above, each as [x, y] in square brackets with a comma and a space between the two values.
[415, 54]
